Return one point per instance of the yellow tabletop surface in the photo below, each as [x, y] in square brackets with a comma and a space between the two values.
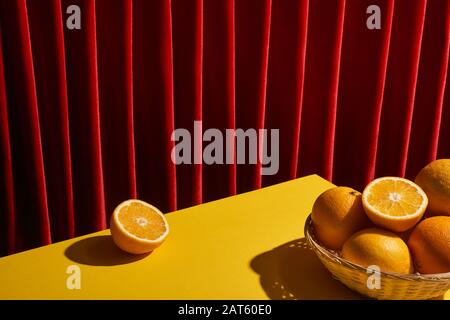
[250, 246]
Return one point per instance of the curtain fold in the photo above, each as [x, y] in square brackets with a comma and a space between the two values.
[430, 87]
[7, 210]
[361, 88]
[323, 59]
[154, 102]
[400, 87]
[47, 41]
[253, 19]
[188, 65]
[218, 105]
[84, 124]
[31, 210]
[288, 37]
[114, 48]
[87, 116]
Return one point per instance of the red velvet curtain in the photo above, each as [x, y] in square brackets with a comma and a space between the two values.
[86, 115]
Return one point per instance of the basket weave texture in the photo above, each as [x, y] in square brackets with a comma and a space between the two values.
[391, 286]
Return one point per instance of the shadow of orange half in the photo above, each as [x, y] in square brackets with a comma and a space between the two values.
[99, 251]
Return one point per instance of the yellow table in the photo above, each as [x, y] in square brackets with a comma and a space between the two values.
[249, 246]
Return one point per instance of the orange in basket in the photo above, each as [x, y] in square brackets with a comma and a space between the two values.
[337, 214]
[378, 247]
[394, 203]
[430, 245]
[397, 247]
[434, 179]
[393, 286]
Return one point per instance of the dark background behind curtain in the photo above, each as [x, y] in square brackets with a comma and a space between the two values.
[86, 115]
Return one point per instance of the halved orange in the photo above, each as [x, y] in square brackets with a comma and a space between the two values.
[138, 227]
[394, 203]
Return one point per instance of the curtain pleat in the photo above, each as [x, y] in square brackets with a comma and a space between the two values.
[114, 48]
[323, 58]
[153, 102]
[87, 116]
[400, 88]
[31, 215]
[84, 115]
[219, 180]
[361, 87]
[187, 17]
[287, 52]
[430, 87]
[444, 135]
[47, 42]
[252, 57]
[7, 210]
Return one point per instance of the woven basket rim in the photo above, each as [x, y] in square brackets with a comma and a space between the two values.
[332, 255]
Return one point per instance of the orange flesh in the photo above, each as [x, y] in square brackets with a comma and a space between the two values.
[395, 198]
[142, 221]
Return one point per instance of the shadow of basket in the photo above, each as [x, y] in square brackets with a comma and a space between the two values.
[292, 271]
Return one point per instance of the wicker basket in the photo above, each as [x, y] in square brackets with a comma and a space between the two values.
[392, 286]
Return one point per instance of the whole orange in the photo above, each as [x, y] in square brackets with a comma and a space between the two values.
[430, 245]
[378, 247]
[338, 213]
[434, 179]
